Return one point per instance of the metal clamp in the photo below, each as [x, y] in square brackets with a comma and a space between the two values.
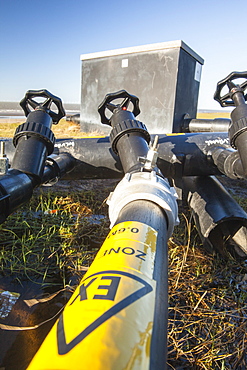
[144, 186]
[4, 161]
[152, 155]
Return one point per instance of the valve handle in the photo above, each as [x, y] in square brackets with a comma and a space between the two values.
[29, 102]
[226, 100]
[107, 104]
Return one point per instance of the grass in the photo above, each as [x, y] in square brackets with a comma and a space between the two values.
[52, 242]
[207, 305]
[63, 129]
[52, 238]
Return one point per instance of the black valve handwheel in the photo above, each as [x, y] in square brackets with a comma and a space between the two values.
[29, 102]
[226, 100]
[107, 104]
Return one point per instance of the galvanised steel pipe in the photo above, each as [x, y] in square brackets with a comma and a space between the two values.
[205, 125]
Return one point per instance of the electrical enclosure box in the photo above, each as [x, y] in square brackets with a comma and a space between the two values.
[165, 77]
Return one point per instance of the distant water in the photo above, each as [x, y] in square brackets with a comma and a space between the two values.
[12, 119]
[213, 110]
[13, 109]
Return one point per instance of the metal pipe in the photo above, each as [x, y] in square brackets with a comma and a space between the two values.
[4, 161]
[151, 214]
[206, 125]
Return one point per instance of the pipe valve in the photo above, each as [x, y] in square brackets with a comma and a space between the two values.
[34, 139]
[236, 97]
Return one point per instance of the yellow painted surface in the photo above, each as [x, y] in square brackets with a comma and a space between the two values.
[107, 324]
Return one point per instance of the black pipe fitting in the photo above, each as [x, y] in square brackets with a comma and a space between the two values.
[37, 126]
[221, 222]
[56, 166]
[129, 137]
[126, 127]
[228, 162]
[34, 140]
[238, 130]
[16, 187]
[236, 97]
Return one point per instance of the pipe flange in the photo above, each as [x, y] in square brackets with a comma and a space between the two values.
[236, 129]
[144, 186]
[127, 126]
[38, 130]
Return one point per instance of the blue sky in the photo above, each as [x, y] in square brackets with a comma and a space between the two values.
[41, 41]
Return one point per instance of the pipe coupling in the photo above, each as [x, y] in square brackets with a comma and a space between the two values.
[144, 186]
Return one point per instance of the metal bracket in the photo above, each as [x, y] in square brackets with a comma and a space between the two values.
[152, 155]
[4, 161]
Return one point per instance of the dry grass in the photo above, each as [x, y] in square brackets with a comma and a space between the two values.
[66, 129]
[212, 115]
[63, 129]
[207, 306]
[53, 236]
[8, 127]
